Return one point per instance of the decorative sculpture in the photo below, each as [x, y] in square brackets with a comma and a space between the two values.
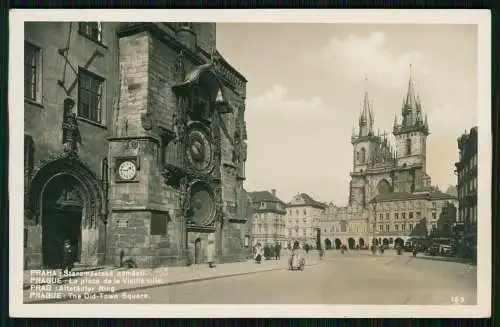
[71, 135]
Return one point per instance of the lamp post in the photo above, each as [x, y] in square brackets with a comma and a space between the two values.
[374, 208]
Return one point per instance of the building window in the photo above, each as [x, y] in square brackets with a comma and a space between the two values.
[305, 212]
[90, 91]
[381, 227]
[91, 30]
[434, 215]
[387, 228]
[408, 146]
[418, 215]
[159, 223]
[396, 227]
[403, 215]
[410, 215]
[411, 227]
[403, 227]
[387, 216]
[381, 216]
[362, 155]
[396, 216]
[32, 72]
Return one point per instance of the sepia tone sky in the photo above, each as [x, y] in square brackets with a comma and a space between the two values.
[306, 84]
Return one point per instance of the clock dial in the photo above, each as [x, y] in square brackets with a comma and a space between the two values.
[202, 205]
[199, 151]
[127, 170]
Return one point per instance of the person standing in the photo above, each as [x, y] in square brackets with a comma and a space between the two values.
[68, 257]
[211, 254]
[278, 251]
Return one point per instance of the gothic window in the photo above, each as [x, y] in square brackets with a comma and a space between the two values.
[403, 227]
[396, 216]
[362, 155]
[411, 227]
[396, 227]
[91, 30]
[32, 72]
[387, 216]
[357, 157]
[408, 146]
[403, 215]
[387, 228]
[90, 92]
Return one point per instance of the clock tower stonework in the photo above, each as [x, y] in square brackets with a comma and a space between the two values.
[178, 149]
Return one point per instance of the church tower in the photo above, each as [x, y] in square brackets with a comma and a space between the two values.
[364, 144]
[411, 139]
[411, 134]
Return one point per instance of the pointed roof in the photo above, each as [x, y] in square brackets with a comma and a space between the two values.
[411, 99]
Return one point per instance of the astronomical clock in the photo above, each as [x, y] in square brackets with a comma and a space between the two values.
[196, 127]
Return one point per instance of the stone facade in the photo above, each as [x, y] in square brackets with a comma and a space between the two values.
[466, 169]
[121, 141]
[303, 216]
[268, 219]
[390, 196]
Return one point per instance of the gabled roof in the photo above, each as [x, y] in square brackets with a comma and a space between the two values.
[309, 201]
[264, 196]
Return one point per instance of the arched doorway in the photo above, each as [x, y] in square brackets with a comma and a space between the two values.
[338, 243]
[375, 242]
[399, 242]
[351, 243]
[328, 244]
[62, 214]
[391, 240]
[198, 253]
[385, 242]
[66, 202]
[361, 242]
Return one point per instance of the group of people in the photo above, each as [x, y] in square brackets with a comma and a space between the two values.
[268, 251]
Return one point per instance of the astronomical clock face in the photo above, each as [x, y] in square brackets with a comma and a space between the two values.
[127, 170]
[199, 151]
[202, 205]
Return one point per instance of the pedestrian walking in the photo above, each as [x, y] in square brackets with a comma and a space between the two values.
[211, 254]
[278, 251]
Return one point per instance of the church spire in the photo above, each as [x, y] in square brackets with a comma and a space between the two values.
[366, 118]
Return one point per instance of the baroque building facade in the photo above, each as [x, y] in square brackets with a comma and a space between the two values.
[268, 219]
[467, 185]
[303, 215]
[135, 144]
[391, 198]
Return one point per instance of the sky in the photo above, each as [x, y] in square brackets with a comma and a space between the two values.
[306, 83]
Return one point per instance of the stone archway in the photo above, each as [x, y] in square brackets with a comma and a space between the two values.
[351, 243]
[399, 242]
[361, 242]
[65, 201]
[328, 244]
[338, 243]
[385, 242]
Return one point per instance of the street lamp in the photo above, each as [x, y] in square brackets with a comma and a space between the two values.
[374, 208]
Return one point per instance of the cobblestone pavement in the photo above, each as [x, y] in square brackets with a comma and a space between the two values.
[352, 278]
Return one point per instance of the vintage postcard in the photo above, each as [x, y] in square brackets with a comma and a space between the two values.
[286, 163]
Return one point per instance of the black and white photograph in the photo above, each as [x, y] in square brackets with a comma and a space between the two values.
[332, 163]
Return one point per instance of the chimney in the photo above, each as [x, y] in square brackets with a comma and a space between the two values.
[273, 191]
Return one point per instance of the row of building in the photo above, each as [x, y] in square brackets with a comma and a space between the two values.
[135, 146]
[391, 198]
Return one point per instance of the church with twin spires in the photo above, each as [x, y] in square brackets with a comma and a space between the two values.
[391, 198]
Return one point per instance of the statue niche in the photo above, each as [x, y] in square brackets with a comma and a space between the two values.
[70, 133]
